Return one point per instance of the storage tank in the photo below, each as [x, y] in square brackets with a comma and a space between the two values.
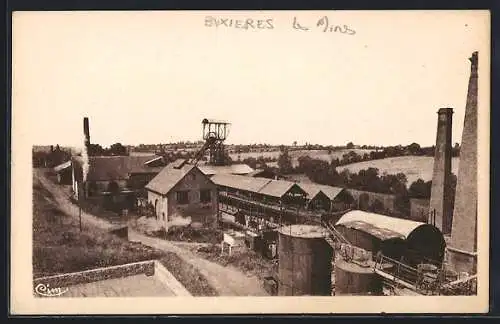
[305, 261]
[354, 279]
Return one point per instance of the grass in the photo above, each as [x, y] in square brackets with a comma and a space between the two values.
[245, 260]
[414, 167]
[187, 275]
[60, 247]
[190, 234]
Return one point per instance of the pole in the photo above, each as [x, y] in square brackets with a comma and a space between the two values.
[80, 208]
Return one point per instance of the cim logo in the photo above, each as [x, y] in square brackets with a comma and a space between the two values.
[47, 291]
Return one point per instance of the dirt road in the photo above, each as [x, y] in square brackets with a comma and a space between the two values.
[227, 281]
[61, 195]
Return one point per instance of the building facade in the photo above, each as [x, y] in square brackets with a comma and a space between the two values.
[182, 195]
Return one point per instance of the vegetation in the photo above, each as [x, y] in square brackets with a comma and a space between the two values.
[116, 149]
[246, 260]
[49, 159]
[59, 247]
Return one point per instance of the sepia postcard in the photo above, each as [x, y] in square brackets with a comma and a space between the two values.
[230, 162]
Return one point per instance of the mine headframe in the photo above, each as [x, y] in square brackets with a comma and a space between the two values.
[215, 133]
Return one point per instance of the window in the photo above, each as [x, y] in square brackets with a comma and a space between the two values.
[205, 196]
[182, 197]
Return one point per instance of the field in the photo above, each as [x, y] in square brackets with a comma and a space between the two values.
[314, 154]
[414, 167]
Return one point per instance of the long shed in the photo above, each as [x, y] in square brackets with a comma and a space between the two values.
[414, 242]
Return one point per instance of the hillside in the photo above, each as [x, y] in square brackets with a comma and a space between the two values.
[414, 167]
[314, 154]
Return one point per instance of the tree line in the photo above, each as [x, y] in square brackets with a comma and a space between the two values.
[370, 179]
[49, 159]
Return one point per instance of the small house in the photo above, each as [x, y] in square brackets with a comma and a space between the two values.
[182, 192]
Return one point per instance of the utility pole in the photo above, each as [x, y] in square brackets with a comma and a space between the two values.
[80, 207]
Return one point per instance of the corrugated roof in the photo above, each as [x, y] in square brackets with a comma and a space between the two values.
[403, 227]
[225, 169]
[277, 188]
[168, 178]
[240, 182]
[381, 233]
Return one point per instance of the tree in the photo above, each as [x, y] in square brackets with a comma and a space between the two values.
[285, 162]
[377, 207]
[420, 189]
[414, 149]
[96, 150]
[349, 145]
[117, 149]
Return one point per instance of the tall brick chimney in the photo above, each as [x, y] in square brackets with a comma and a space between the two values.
[462, 252]
[86, 131]
[441, 195]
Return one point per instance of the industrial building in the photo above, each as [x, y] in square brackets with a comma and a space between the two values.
[182, 190]
[399, 239]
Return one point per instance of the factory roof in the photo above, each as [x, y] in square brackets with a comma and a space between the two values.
[381, 233]
[169, 177]
[225, 169]
[240, 182]
[311, 189]
[105, 168]
[379, 225]
[278, 188]
[62, 166]
[329, 191]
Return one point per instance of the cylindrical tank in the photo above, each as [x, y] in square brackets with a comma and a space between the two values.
[353, 279]
[305, 261]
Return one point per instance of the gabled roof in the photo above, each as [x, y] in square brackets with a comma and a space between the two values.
[168, 178]
[311, 189]
[240, 182]
[314, 189]
[225, 169]
[278, 188]
[329, 191]
[379, 224]
[105, 168]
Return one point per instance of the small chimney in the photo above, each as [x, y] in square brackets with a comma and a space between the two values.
[440, 213]
[86, 131]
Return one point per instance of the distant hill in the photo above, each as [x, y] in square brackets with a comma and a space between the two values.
[295, 154]
[414, 167]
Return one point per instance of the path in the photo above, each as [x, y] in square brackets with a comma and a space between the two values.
[227, 281]
[62, 199]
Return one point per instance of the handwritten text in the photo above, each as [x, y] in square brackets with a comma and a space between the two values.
[325, 25]
[247, 23]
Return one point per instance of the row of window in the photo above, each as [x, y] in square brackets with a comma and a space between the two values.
[183, 196]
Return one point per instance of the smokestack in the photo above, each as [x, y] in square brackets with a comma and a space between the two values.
[441, 195]
[86, 131]
[462, 252]
[85, 149]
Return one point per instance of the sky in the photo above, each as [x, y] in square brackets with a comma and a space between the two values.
[151, 77]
